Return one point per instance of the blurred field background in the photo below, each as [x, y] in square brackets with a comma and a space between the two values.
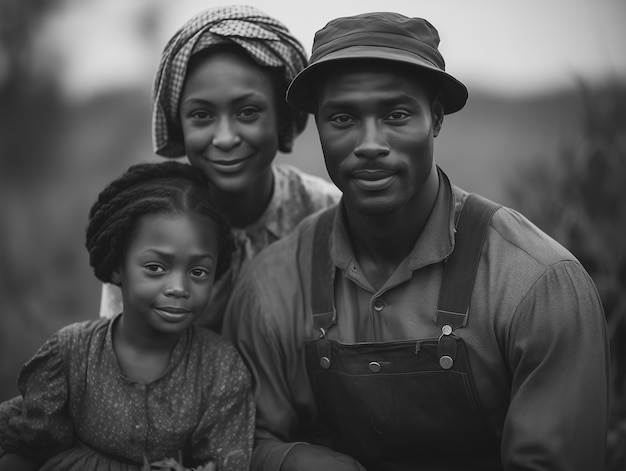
[544, 132]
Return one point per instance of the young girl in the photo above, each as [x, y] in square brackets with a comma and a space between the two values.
[146, 385]
[218, 98]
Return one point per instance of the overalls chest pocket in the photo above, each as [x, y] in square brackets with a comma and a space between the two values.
[382, 400]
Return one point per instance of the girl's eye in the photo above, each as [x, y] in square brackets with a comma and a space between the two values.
[200, 272]
[154, 268]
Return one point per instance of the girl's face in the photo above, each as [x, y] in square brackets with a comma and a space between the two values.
[168, 272]
[230, 119]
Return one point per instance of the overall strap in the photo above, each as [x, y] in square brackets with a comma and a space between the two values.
[459, 275]
[461, 266]
[323, 273]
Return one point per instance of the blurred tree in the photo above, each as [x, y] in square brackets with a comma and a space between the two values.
[55, 155]
[28, 92]
[30, 118]
[578, 198]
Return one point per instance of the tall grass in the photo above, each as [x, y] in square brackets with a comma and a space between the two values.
[578, 197]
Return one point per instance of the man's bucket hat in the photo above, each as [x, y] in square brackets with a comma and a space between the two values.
[383, 35]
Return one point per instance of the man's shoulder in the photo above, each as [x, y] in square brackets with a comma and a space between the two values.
[281, 267]
[517, 235]
[285, 250]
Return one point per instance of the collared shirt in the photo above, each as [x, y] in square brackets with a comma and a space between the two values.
[296, 195]
[536, 334]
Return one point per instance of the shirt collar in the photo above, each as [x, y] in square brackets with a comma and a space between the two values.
[434, 244]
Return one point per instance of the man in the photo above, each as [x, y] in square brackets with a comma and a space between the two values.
[414, 326]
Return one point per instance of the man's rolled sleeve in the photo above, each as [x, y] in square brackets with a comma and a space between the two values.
[558, 357]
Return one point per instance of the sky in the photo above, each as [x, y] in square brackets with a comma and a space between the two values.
[504, 46]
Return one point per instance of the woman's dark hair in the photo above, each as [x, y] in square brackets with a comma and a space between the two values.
[149, 189]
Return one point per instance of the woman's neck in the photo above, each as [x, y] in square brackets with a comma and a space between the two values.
[246, 207]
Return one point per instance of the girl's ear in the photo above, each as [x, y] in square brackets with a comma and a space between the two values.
[116, 278]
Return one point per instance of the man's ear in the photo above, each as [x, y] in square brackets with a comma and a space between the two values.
[437, 113]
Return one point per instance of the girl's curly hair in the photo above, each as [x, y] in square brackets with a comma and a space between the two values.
[149, 189]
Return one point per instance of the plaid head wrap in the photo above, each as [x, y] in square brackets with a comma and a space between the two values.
[267, 41]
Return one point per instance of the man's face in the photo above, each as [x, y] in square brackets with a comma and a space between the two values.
[376, 127]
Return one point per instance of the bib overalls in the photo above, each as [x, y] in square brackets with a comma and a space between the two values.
[411, 404]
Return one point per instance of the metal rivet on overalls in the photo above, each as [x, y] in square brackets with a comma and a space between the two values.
[446, 330]
[374, 366]
[325, 362]
[446, 362]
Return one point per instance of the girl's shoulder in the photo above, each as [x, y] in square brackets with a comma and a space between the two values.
[213, 354]
[82, 330]
[74, 338]
[210, 342]
[66, 347]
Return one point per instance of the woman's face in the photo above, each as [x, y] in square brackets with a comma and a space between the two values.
[229, 119]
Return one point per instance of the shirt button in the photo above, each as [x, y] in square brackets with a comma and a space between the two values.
[325, 362]
[374, 366]
[379, 305]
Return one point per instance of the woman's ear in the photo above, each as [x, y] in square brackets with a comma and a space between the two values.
[284, 121]
[437, 113]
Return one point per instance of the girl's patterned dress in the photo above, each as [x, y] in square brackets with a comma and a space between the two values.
[81, 412]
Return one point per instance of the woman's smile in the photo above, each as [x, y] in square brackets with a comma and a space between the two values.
[229, 165]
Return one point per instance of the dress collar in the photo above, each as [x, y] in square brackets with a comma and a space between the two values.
[177, 356]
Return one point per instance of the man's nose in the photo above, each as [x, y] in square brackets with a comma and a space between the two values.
[372, 142]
